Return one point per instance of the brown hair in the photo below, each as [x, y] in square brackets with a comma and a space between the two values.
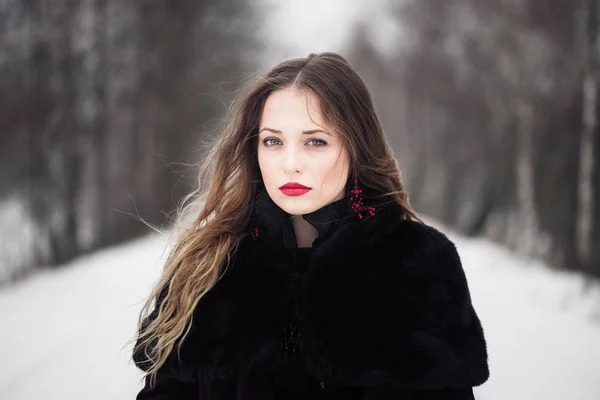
[220, 214]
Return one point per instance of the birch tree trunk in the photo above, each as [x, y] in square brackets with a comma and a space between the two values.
[590, 127]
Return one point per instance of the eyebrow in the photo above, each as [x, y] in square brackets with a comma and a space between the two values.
[309, 132]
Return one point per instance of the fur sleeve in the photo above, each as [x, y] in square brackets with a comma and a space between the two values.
[400, 315]
[447, 338]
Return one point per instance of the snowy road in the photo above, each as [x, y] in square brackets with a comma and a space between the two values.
[63, 331]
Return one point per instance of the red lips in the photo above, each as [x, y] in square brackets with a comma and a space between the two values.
[293, 185]
[294, 189]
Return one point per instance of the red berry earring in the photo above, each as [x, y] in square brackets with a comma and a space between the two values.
[357, 200]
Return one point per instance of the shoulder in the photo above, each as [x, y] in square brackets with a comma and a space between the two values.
[420, 243]
[421, 235]
[426, 263]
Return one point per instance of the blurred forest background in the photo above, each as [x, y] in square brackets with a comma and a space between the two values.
[490, 105]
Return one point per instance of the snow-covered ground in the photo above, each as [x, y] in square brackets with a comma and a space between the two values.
[63, 332]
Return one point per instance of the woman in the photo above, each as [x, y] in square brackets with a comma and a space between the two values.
[306, 274]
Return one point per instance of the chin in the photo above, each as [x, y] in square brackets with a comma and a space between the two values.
[294, 205]
[295, 210]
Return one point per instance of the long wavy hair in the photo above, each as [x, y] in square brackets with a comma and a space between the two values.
[211, 223]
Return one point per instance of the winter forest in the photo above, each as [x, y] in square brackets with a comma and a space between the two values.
[491, 106]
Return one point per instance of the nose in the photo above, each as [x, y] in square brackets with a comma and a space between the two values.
[291, 160]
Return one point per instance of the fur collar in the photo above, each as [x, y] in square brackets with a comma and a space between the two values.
[385, 302]
[338, 226]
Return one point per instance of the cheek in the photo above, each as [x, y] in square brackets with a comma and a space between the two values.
[262, 160]
[266, 166]
[336, 170]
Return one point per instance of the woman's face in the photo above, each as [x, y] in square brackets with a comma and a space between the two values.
[316, 158]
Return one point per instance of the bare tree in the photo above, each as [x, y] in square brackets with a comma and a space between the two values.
[590, 134]
[485, 106]
[103, 101]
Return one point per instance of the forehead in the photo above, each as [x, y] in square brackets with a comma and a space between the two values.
[291, 108]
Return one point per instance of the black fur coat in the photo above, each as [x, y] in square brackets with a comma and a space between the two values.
[386, 308]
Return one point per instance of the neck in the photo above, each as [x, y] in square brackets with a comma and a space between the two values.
[304, 231]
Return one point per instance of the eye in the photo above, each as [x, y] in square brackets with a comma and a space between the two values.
[266, 140]
[323, 143]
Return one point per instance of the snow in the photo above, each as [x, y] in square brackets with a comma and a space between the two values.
[542, 326]
[72, 323]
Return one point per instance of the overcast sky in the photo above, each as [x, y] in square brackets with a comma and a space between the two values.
[295, 28]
